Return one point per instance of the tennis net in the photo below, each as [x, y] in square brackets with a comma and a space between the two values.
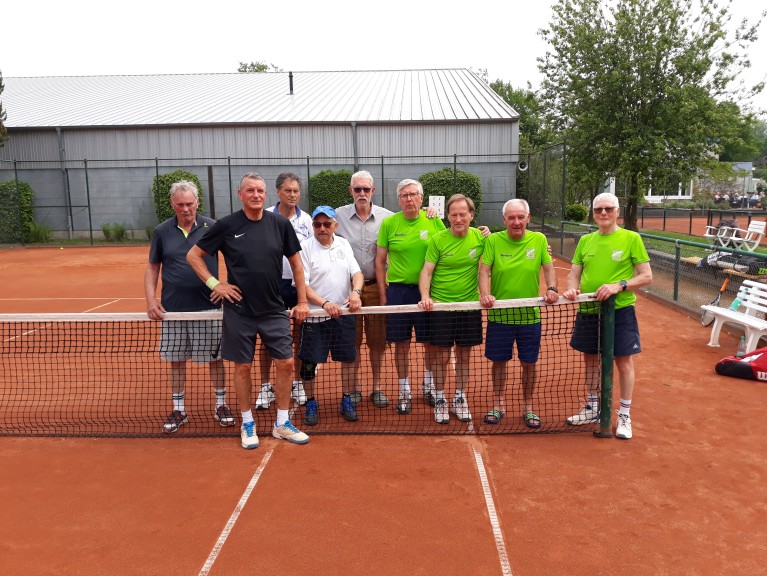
[103, 375]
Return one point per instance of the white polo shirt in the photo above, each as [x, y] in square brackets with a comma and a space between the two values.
[329, 270]
[302, 224]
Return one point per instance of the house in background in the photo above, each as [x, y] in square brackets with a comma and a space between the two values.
[98, 141]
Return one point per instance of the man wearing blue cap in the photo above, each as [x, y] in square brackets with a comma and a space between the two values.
[333, 281]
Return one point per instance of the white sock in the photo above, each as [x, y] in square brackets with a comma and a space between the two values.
[282, 417]
[247, 417]
[428, 378]
[178, 401]
[593, 401]
[625, 408]
[265, 384]
[459, 393]
[404, 386]
[220, 397]
[439, 395]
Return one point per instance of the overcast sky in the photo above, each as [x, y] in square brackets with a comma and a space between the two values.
[84, 37]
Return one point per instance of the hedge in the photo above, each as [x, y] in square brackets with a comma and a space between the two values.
[17, 211]
[444, 183]
[329, 188]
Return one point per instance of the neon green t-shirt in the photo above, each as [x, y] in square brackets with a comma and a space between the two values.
[456, 265]
[407, 241]
[608, 258]
[515, 273]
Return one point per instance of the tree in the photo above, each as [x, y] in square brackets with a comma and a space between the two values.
[740, 139]
[258, 66]
[3, 131]
[533, 133]
[634, 86]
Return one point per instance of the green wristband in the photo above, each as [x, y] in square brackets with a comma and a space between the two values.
[212, 282]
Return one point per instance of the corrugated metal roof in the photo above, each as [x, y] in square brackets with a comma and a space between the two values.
[318, 97]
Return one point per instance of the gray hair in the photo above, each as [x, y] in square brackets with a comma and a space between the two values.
[408, 182]
[606, 196]
[184, 186]
[522, 201]
[362, 175]
[252, 176]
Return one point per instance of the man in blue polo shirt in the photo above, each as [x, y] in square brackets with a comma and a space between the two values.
[182, 291]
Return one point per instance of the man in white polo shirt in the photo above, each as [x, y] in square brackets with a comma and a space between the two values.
[333, 280]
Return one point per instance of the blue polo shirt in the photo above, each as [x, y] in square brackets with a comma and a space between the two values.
[182, 290]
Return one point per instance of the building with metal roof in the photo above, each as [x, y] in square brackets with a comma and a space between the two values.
[396, 123]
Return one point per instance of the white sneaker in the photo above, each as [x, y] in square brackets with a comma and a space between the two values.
[290, 433]
[298, 393]
[265, 397]
[441, 414]
[587, 415]
[623, 431]
[460, 408]
[248, 436]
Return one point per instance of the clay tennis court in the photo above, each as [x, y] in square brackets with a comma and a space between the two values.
[685, 496]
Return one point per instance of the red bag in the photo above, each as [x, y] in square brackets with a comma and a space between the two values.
[753, 366]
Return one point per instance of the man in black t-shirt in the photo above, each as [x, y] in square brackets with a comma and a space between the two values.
[253, 242]
[182, 291]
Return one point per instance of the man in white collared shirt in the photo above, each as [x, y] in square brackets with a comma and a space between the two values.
[288, 196]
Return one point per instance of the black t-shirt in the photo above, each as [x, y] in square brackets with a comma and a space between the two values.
[182, 290]
[253, 251]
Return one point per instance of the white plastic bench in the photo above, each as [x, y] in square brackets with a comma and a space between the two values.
[722, 235]
[750, 315]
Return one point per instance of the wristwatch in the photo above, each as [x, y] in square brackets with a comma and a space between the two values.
[624, 285]
[358, 291]
[553, 289]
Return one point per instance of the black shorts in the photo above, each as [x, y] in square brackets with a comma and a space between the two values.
[238, 335]
[586, 333]
[288, 293]
[459, 328]
[399, 326]
[336, 336]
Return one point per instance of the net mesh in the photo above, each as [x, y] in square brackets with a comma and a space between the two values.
[103, 375]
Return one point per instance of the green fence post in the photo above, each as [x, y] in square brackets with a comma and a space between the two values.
[677, 268]
[88, 200]
[607, 347]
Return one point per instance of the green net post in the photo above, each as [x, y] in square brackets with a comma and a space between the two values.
[607, 346]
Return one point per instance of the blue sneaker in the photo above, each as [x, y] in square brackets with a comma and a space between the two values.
[312, 413]
[290, 433]
[347, 409]
[248, 436]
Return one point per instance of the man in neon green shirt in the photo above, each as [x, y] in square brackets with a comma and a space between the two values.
[511, 268]
[402, 240]
[607, 262]
[449, 274]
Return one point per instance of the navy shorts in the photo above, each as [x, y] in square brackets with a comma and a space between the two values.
[586, 333]
[499, 345]
[336, 336]
[459, 328]
[238, 335]
[288, 293]
[399, 327]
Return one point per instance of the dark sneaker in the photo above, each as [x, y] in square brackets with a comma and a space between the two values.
[379, 399]
[312, 413]
[404, 404]
[224, 416]
[347, 409]
[174, 421]
[356, 397]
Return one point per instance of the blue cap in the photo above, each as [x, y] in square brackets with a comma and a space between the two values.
[326, 210]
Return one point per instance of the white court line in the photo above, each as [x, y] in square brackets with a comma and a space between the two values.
[28, 332]
[101, 305]
[235, 514]
[499, 545]
[49, 299]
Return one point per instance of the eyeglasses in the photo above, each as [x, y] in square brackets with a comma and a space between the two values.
[361, 189]
[607, 209]
[408, 196]
[325, 224]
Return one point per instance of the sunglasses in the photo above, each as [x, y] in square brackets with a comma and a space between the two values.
[607, 209]
[326, 224]
[361, 189]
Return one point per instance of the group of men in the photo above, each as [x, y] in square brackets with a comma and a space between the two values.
[281, 263]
